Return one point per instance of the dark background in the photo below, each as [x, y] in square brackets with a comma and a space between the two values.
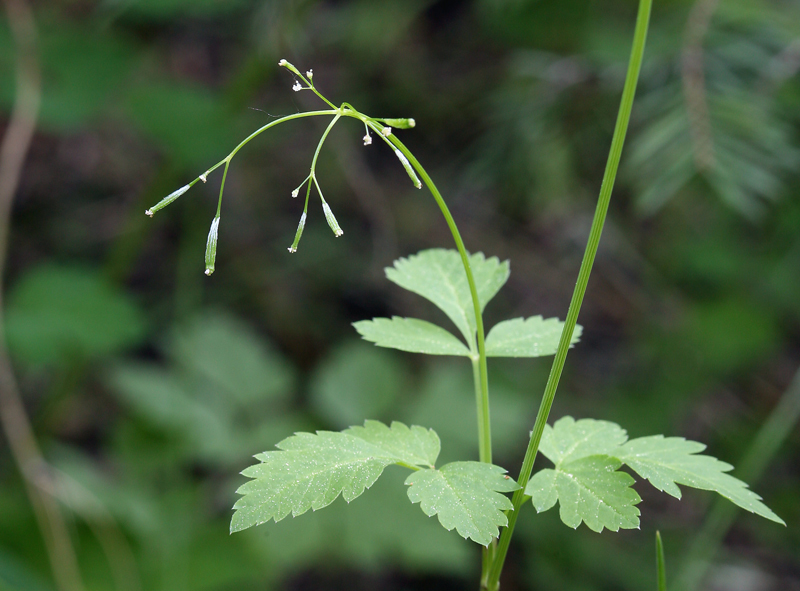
[150, 385]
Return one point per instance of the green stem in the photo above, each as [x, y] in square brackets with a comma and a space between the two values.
[623, 117]
[261, 130]
[661, 569]
[484, 424]
[482, 377]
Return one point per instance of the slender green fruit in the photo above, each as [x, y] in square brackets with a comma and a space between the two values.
[167, 200]
[410, 171]
[331, 219]
[211, 246]
[300, 226]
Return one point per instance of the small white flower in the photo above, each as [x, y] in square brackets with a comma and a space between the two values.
[310, 74]
[386, 131]
[367, 139]
[282, 63]
[297, 87]
[148, 212]
[295, 193]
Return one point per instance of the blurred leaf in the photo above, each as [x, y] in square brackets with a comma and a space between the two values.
[534, 337]
[447, 405]
[82, 66]
[667, 462]
[174, 9]
[188, 122]
[223, 398]
[731, 333]
[438, 275]
[371, 30]
[56, 314]
[465, 496]
[160, 397]
[410, 334]
[226, 351]
[354, 382]
[312, 470]
[15, 575]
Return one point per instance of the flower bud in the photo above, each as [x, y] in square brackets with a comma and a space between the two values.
[167, 200]
[409, 170]
[331, 219]
[211, 246]
[400, 123]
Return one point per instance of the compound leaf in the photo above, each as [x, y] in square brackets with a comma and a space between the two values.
[589, 490]
[534, 337]
[438, 275]
[312, 470]
[669, 461]
[412, 335]
[465, 496]
[588, 487]
[568, 440]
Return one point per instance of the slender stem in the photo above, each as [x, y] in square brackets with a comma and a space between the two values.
[476, 380]
[623, 117]
[661, 570]
[319, 146]
[480, 366]
[485, 428]
[261, 130]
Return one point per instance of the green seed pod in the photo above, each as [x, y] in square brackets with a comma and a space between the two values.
[167, 200]
[409, 170]
[300, 226]
[211, 246]
[329, 217]
[400, 123]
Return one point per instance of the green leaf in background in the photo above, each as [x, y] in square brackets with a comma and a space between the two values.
[438, 276]
[188, 122]
[354, 382]
[589, 490]
[532, 337]
[226, 351]
[56, 314]
[312, 470]
[446, 386]
[82, 67]
[569, 439]
[669, 461]
[466, 496]
[586, 483]
[410, 334]
[223, 394]
[176, 9]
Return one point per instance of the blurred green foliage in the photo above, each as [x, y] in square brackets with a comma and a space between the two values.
[150, 385]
